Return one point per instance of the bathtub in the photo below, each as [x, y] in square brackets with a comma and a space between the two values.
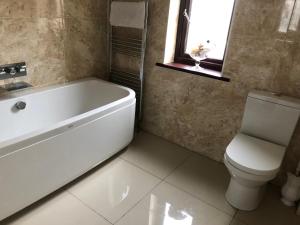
[63, 132]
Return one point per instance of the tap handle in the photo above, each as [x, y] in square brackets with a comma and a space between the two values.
[2, 71]
[11, 70]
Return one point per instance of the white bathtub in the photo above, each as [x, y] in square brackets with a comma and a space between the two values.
[63, 132]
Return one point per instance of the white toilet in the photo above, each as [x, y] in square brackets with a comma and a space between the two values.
[255, 155]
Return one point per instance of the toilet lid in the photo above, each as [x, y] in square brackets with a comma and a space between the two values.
[254, 155]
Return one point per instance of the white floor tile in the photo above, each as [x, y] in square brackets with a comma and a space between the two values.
[154, 154]
[270, 212]
[63, 209]
[193, 194]
[114, 188]
[205, 179]
[167, 205]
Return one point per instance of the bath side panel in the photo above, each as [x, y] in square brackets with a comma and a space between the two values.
[35, 171]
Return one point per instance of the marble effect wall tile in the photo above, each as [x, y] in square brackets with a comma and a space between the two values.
[31, 8]
[60, 40]
[85, 9]
[84, 48]
[203, 114]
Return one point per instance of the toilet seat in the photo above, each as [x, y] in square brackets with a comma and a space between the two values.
[254, 156]
[245, 175]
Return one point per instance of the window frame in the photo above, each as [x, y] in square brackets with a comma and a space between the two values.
[181, 41]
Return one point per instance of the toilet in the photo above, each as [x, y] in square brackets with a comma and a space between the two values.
[255, 154]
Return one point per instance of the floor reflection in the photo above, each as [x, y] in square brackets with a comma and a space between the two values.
[118, 191]
[175, 216]
[165, 213]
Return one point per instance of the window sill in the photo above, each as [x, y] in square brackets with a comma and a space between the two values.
[191, 69]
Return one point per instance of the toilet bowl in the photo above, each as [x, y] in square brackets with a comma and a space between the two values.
[250, 167]
[255, 154]
[245, 190]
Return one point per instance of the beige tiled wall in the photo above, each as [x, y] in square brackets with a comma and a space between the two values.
[60, 40]
[203, 114]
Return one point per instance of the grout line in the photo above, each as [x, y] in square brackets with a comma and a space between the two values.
[233, 217]
[202, 200]
[189, 155]
[143, 197]
[154, 187]
[146, 171]
[178, 166]
[183, 148]
[86, 205]
[191, 194]
[179, 188]
[127, 211]
[164, 180]
[161, 180]
[239, 220]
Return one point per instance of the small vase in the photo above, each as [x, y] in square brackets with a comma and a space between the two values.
[291, 190]
[197, 65]
[198, 59]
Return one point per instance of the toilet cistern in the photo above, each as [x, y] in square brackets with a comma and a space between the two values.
[255, 154]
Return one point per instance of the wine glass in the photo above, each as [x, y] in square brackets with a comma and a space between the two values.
[200, 53]
[198, 56]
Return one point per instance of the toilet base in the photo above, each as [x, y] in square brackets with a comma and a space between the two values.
[244, 196]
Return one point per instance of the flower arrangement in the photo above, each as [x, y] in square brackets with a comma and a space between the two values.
[200, 52]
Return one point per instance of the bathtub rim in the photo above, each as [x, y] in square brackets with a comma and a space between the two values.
[4, 96]
[70, 123]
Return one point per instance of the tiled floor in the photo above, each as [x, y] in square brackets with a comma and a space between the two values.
[153, 183]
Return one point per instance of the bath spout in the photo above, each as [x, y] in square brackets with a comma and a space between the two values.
[14, 86]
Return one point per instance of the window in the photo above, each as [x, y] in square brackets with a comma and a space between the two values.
[203, 22]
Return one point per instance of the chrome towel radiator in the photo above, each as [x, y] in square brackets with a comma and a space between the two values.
[126, 57]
